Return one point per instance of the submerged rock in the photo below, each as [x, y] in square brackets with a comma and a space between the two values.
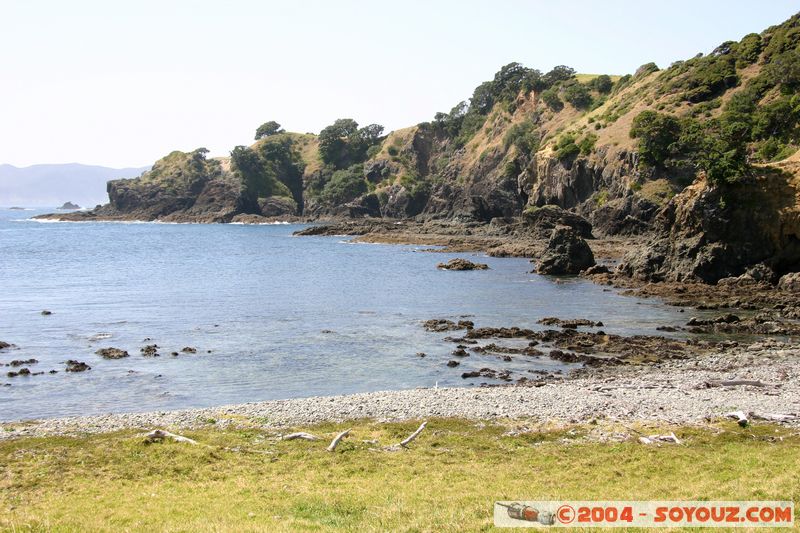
[189, 349]
[20, 372]
[77, 366]
[151, 350]
[20, 362]
[46, 313]
[567, 253]
[461, 264]
[568, 324]
[4, 345]
[442, 324]
[111, 353]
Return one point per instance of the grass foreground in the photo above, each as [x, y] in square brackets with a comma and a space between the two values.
[447, 479]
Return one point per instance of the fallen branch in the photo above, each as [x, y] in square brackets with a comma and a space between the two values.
[775, 417]
[740, 417]
[736, 383]
[671, 438]
[413, 436]
[299, 435]
[336, 439]
[159, 435]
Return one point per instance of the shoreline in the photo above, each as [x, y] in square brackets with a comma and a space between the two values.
[678, 392]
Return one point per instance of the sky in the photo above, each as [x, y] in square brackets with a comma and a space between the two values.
[124, 83]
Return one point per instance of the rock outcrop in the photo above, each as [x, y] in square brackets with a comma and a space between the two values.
[709, 233]
[461, 264]
[566, 253]
[543, 220]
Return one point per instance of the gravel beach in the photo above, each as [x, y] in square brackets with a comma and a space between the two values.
[684, 391]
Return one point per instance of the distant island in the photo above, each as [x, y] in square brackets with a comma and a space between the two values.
[49, 185]
[69, 206]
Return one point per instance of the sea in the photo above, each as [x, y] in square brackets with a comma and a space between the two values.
[270, 315]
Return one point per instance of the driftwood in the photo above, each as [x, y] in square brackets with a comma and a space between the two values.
[739, 416]
[775, 417]
[405, 442]
[336, 439]
[671, 438]
[159, 434]
[736, 383]
[300, 435]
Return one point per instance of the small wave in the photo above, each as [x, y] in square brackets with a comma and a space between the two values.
[276, 223]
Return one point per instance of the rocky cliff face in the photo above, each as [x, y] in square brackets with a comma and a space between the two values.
[709, 233]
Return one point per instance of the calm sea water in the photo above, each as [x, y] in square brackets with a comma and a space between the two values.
[282, 316]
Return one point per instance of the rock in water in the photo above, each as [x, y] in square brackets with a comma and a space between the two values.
[461, 264]
[77, 366]
[69, 206]
[567, 253]
[111, 353]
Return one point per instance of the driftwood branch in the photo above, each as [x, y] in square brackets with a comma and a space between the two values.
[159, 435]
[671, 438]
[336, 439]
[405, 442]
[775, 417]
[300, 435]
[739, 416]
[736, 383]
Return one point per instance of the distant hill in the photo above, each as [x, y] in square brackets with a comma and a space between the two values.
[51, 185]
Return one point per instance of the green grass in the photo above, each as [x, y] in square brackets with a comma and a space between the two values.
[244, 480]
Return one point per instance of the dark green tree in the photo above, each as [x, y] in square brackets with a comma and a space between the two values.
[268, 129]
[657, 134]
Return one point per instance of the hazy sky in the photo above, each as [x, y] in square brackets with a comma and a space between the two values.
[123, 83]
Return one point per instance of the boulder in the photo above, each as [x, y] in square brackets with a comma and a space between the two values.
[542, 220]
[790, 282]
[277, 206]
[461, 264]
[567, 253]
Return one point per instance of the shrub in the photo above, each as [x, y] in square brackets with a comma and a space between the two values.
[551, 99]
[566, 148]
[344, 186]
[578, 95]
[586, 144]
[523, 136]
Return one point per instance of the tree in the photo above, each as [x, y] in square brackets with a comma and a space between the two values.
[559, 73]
[657, 134]
[268, 129]
[343, 144]
[333, 141]
[551, 99]
[602, 84]
[578, 95]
